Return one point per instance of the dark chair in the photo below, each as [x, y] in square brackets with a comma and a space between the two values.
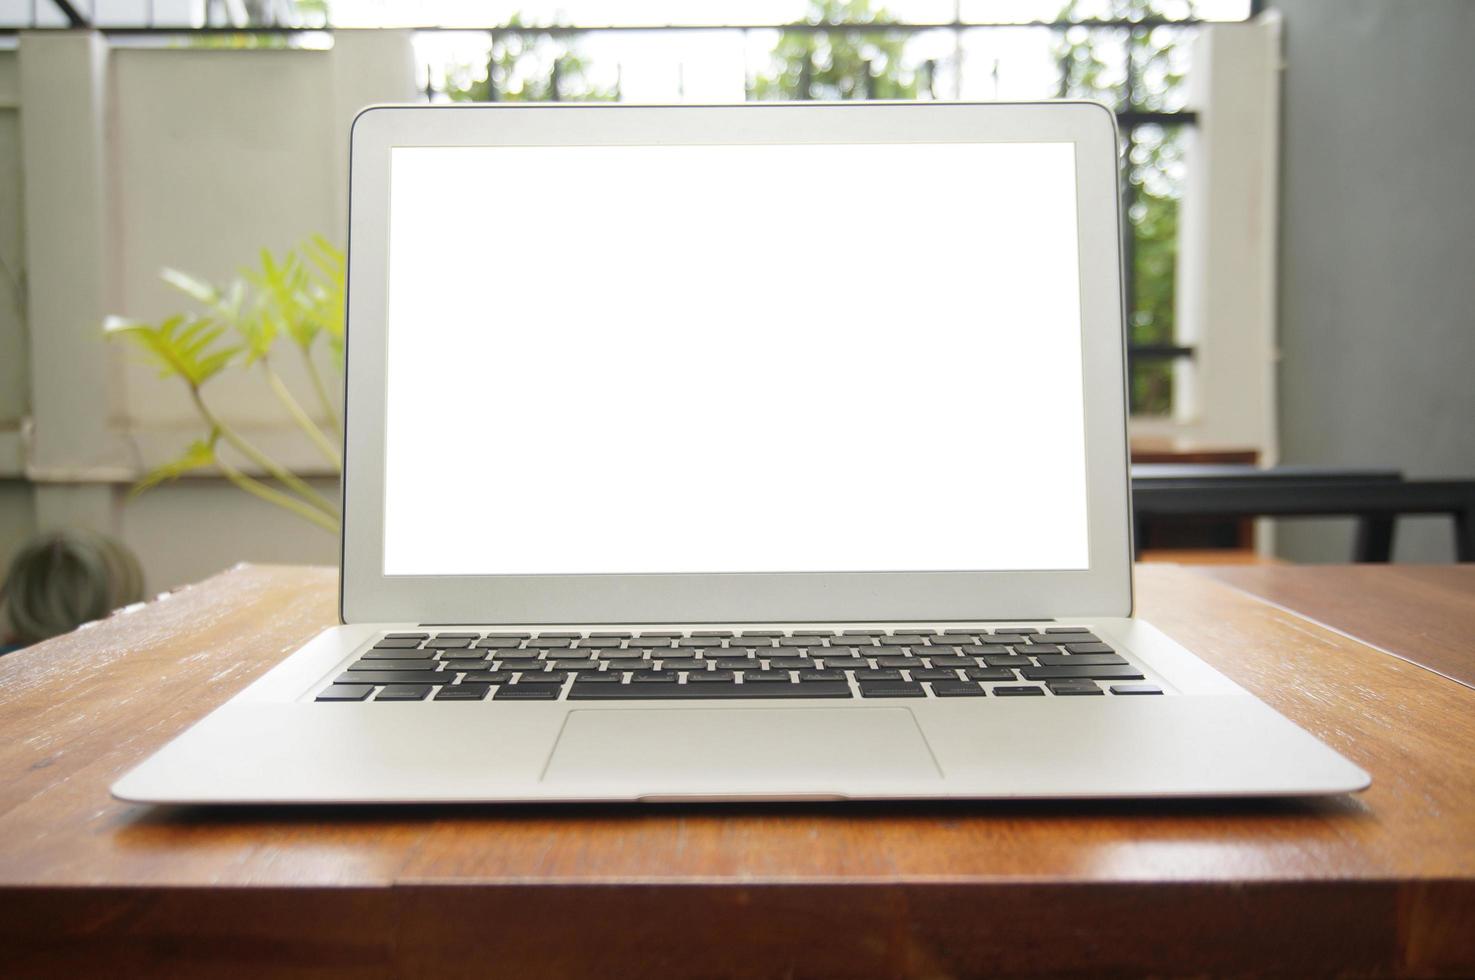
[1375, 498]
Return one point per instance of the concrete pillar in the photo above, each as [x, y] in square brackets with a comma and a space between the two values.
[63, 85]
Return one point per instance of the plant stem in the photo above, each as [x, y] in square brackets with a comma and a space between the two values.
[258, 489]
[304, 423]
[317, 385]
[262, 460]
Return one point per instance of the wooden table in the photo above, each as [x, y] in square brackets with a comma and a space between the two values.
[1382, 882]
[1421, 613]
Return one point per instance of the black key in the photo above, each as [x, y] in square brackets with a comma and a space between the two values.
[1067, 629]
[610, 636]
[846, 663]
[1127, 673]
[747, 644]
[574, 665]
[463, 655]
[346, 692]
[761, 634]
[399, 655]
[877, 675]
[707, 691]
[515, 636]
[899, 662]
[599, 643]
[456, 636]
[934, 674]
[550, 643]
[893, 689]
[984, 649]
[722, 634]
[598, 677]
[397, 643]
[791, 663]
[989, 674]
[517, 655]
[858, 647]
[699, 641]
[950, 661]
[1056, 638]
[732, 663]
[821, 675]
[1021, 630]
[396, 665]
[1070, 688]
[1136, 689]
[529, 667]
[499, 643]
[449, 643]
[940, 647]
[765, 676]
[1038, 648]
[463, 692]
[957, 689]
[620, 655]
[963, 633]
[654, 677]
[798, 641]
[661, 636]
[648, 643]
[1006, 638]
[683, 663]
[1015, 662]
[1088, 648]
[577, 654]
[1019, 691]
[909, 640]
[403, 692]
[1081, 660]
[551, 677]
[814, 632]
[407, 636]
[862, 632]
[710, 677]
[560, 636]
[528, 692]
[394, 677]
[488, 677]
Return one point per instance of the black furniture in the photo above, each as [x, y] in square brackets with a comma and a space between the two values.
[1375, 498]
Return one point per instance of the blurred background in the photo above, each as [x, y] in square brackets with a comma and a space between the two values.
[1300, 244]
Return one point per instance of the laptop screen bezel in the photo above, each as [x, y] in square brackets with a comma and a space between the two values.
[1102, 589]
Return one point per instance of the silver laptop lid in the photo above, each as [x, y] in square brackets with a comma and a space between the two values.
[734, 363]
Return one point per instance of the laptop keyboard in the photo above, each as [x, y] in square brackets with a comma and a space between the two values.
[1056, 661]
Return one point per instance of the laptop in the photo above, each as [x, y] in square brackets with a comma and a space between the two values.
[748, 452]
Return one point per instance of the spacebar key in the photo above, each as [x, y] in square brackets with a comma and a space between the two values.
[707, 691]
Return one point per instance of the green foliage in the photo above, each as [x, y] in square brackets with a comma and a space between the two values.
[298, 296]
[838, 64]
[182, 346]
[525, 67]
[199, 456]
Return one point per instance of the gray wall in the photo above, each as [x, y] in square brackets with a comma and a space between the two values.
[1377, 267]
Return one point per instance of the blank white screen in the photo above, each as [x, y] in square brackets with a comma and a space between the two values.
[608, 359]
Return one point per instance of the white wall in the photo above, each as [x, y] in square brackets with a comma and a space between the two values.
[135, 159]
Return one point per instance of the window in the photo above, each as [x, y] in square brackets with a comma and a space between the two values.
[1130, 54]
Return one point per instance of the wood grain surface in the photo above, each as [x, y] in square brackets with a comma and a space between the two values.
[1378, 883]
[1421, 613]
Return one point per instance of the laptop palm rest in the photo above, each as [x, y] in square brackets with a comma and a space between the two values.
[688, 751]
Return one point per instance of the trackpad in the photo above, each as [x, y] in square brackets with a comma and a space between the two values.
[816, 750]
